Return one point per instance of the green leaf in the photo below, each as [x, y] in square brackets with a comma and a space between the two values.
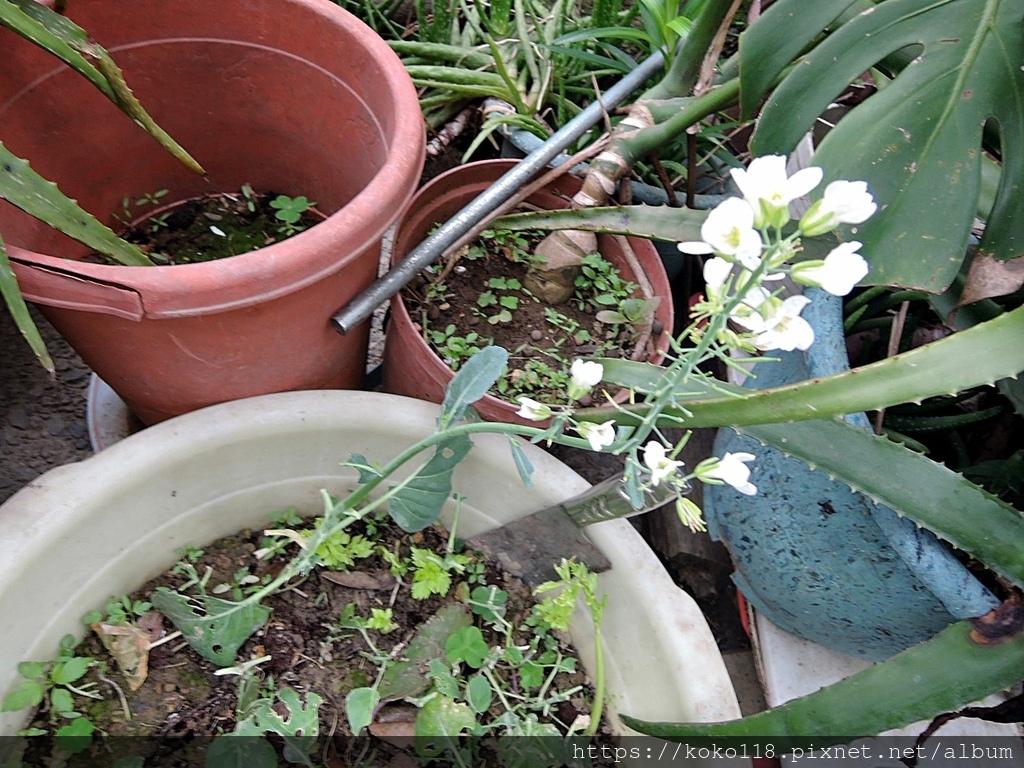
[298, 729]
[26, 189]
[918, 141]
[467, 645]
[479, 693]
[19, 311]
[27, 694]
[942, 675]
[61, 701]
[232, 752]
[362, 465]
[978, 356]
[470, 383]
[76, 736]
[443, 717]
[650, 221]
[419, 502]
[32, 670]
[70, 670]
[359, 706]
[406, 678]
[522, 462]
[215, 628]
[488, 602]
[444, 681]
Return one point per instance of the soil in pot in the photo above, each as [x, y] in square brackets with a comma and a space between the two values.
[483, 656]
[479, 297]
[214, 226]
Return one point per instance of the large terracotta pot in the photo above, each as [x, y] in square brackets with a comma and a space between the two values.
[85, 531]
[294, 96]
[411, 367]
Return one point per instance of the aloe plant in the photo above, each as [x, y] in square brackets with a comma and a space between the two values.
[26, 189]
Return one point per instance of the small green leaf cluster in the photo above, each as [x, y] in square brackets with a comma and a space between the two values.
[289, 211]
[603, 285]
[341, 550]
[120, 610]
[454, 349]
[54, 685]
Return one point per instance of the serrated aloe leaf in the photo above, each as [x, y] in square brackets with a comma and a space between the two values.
[408, 677]
[71, 44]
[470, 383]
[914, 486]
[655, 222]
[978, 356]
[918, 141]
[215, 628]
[419, 502]
[19, 311]
[947, 672]
[26, 189]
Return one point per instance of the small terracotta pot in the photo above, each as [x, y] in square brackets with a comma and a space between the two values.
[292, 96]
[411, 367]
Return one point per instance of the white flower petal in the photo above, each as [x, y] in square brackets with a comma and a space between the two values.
[716, 271]
[598, 435]
[533, 410]
[657, 461]
[732, 469]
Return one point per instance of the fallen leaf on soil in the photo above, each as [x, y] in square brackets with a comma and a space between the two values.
[990, 277]
[362, 579]
[152, 623]
[129, 646]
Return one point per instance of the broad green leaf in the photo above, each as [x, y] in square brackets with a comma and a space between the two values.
[771, 44]
[407, 678]
[442, 716]
[470, 383]
[26, 189]
[298, 729]
[28, 694]
[76, 736]
[918, 141]
[359, 706]
[32, 670]
[944, 674]
[19, 310]
[61, 701]
[651, 221]
[362, 465]
[233, 752]
[215, 628]
[70, 670]
[479, 693]
[420, 501]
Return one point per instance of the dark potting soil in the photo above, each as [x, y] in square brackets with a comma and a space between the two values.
[531, 337]
[215, 226]
[183, 704]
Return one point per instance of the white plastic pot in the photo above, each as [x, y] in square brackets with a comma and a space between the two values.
[86, 531]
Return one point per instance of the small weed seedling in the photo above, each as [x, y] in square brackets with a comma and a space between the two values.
[289, 211]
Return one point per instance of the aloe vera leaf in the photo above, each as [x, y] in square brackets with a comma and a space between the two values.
[452, 77]
[26, 189]
[940, 423]
[978, 356]
[651, 221]
[465, 58]
[19, 311]
[72, 45]
[944, 674]
[930, 494]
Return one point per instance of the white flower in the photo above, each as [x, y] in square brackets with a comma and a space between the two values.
[598, 435]
[731, 469]
[784, 329]
[658, 462]
[844, 202]
[769, 191]
[586, 375]
[748, 312]
[532, 410]
[716, 270]
[729, 231]
[841, 270]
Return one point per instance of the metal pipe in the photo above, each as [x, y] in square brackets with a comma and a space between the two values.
[363, 305]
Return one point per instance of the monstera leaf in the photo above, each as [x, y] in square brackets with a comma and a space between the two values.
[918, 141]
